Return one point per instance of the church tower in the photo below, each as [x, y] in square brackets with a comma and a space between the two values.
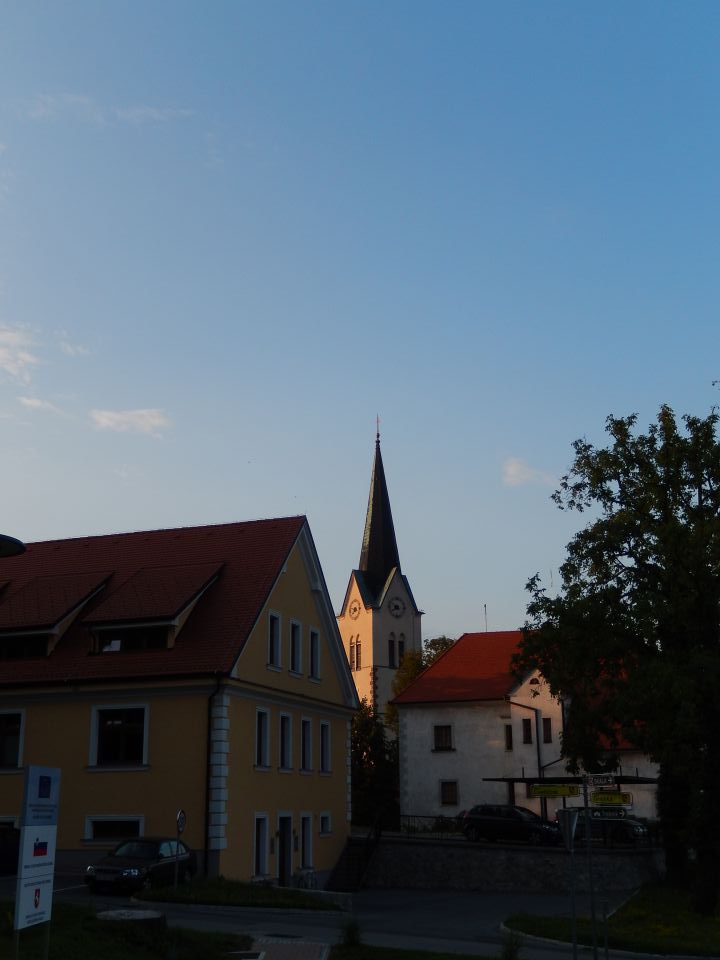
[379, 621]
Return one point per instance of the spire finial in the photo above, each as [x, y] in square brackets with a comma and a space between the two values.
[377, 428]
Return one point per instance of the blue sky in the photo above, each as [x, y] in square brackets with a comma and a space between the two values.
[233, 233]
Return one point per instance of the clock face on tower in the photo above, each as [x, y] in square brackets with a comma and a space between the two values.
[396, 606]
[354, 609]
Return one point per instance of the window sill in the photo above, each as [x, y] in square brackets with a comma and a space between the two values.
[274, 666]
[262, 768]
[306, 771]
[443, 750]
[313, 678]
[118, 768]
[285, 769]
[296, 673]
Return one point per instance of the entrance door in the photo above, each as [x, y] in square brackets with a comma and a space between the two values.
[284, 851]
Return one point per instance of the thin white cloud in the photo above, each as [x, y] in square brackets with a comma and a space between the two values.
[16, 356]
[131, 421]
[518, 473]
[144, 113]
[46, 107]
[35, 403]
[73, 349]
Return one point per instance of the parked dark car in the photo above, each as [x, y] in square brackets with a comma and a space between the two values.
[625, 830]
[488, 821]
[142, 863]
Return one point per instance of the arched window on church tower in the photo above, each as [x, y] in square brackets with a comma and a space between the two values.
[352, 653]
[358, 657]
[401, 648]
[391, 651]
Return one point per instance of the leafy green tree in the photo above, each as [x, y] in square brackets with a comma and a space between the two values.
[374, 770]
[411, 666]
[632, 640]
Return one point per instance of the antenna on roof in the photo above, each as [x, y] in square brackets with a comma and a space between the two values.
[485, 606]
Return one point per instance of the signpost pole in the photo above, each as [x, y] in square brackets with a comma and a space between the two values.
[588, 844]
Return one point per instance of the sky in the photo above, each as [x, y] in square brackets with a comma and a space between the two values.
[234, 233]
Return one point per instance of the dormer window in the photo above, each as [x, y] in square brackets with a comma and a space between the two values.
[34, 619]
[148, 611]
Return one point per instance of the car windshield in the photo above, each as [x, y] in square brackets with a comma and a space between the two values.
[527, 814]
[138, 849]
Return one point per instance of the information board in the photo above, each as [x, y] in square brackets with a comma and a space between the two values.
[38, 834]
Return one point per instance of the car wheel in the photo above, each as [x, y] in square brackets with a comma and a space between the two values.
[473, 834]
[535, 839]
[146, 883]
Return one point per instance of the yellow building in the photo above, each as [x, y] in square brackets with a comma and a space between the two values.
[379, 621]
[198, 669]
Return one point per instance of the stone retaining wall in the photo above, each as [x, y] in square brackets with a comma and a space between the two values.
[461, 865]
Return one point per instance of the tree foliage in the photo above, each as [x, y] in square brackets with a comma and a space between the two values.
[374, 770]
[411, 666]
[632, 640]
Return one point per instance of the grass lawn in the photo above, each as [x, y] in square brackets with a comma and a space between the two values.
[658, 919]
[77, 933]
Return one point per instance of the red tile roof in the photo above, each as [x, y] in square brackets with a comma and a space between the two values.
[476, 667]
[154, 593]
[251, 554]
[43, 602]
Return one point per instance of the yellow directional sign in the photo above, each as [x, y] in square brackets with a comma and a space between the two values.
[611, 797]
[554, 790]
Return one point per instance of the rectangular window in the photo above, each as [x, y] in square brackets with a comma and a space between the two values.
[448, 793]
[391, 651]
[273, 640]
[113, 828]
[442, 737]
[508, 736]
[352, 653]
[285, 741]
[325, 824]
[262, 739]
[325, 748]
[527, 730]
[306, 857]
[295, 648]
[119, 737]
[306, 745]
[547, 729]
[260, 858]
[10, 740]
[314, 655]
[401, 648]
[358, 658]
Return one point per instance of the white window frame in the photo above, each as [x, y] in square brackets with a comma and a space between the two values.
[325, 747]
[91, 818]
[21, 738]
[306, 744]
[274, 650]
[295, 648]
[96, 709]
[285, 745]
[314, 674]
[263, 859]
[263, 753]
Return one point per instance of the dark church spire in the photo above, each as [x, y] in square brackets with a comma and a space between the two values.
[379, 552]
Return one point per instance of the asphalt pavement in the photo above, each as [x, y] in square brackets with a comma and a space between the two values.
[451, 921]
